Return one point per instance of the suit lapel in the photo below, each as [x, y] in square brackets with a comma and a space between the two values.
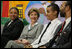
[58, 29]
[67, 26]
[33, 27]
[12, 23]
[65, 33]
[6, 25]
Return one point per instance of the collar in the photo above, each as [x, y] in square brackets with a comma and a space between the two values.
[15, 19]
[68, 20]
[29, 27]
[53, 21]
[11, 20]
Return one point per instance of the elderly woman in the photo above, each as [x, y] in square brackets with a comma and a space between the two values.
[30, 32]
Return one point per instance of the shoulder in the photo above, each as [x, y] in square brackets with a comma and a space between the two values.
[26, 26]
[58, 21]
[40, 25]
[7, 22]
[18, 22]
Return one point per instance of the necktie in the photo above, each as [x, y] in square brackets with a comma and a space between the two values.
[52, 41]
[44, 32]
[61, 28]
[58, 34]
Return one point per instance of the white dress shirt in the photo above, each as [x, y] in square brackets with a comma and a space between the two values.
[67, 22]
[48, 34]
[10, 22]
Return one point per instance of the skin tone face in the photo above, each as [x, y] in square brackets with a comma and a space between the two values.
[66, 10]
[33, 17]
[13, 14]
[50, 13]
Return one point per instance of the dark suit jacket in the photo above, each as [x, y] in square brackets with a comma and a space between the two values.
[11, 32]
[64, 41]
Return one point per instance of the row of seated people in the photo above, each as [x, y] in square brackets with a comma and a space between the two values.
[55, 34]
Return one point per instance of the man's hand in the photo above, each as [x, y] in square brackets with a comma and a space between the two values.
[42, 47]
[42, 11]
[28, 46]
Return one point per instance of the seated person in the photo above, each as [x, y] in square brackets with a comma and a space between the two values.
[12, 28]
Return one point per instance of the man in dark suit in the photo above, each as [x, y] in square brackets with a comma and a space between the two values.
[64, 38]
[64, 41]
[12, 28]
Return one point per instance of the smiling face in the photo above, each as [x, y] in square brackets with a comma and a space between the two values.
[13, 14]
[34, 16]
[50, 13]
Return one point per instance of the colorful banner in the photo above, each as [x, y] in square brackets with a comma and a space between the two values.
[5, 8]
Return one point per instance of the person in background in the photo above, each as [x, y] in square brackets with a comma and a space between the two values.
[30, 32]
[42, 11]
[12, 28]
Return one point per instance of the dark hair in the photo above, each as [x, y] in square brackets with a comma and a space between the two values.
[62, 14]
[55, 7]
[34, 10]
[15, 9]
[68, 3]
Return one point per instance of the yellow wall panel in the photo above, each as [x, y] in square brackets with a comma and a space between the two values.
[14, 3]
